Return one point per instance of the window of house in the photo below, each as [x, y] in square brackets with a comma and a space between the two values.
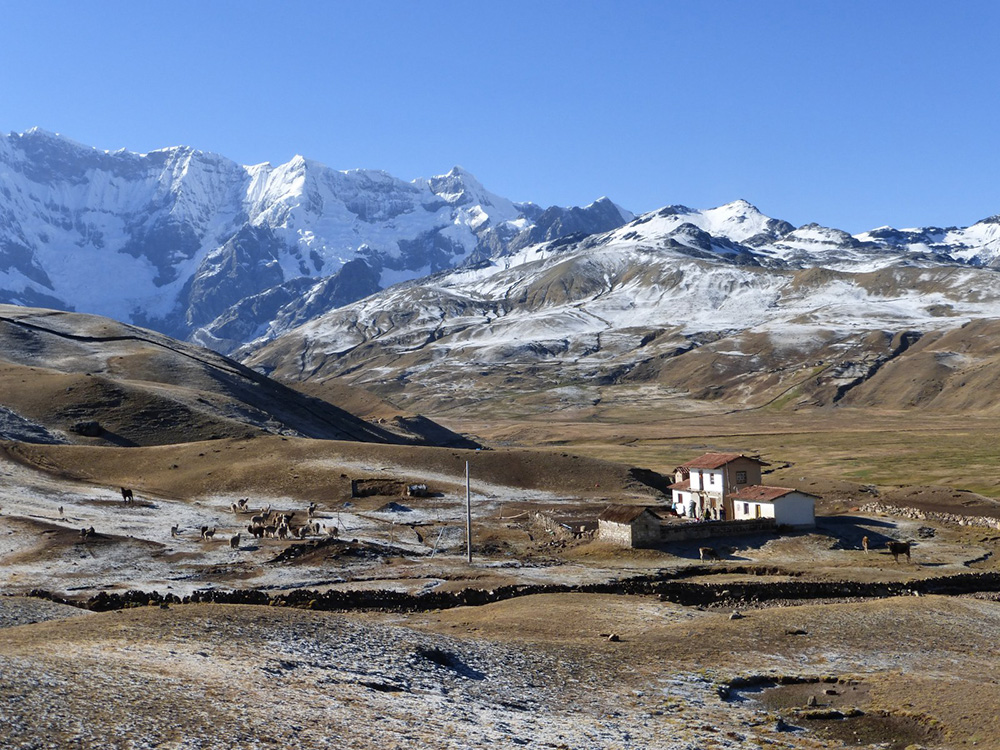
[746, 509]
[711, 478]
[741, 477]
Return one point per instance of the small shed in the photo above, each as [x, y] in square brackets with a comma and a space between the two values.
[629, 525]
[787, 506]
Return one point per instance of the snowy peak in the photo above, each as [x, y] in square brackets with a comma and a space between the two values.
[190, 236]
[461, 190]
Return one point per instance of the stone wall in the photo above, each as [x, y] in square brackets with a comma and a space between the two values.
[681, 532]
[615, 533]
[921, 515]
[667, 585]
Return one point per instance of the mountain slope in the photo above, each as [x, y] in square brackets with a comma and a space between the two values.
[193, 240]
[637, 306]
[67, 377]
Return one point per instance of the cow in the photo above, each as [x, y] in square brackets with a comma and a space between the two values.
[898, 548]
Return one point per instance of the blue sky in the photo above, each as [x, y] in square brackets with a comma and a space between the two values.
[850, 114]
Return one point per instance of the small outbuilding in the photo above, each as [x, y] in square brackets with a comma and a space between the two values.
[629, 525]
[788, 507]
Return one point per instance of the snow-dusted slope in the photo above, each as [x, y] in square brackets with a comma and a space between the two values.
[977, 245]
[633, 303]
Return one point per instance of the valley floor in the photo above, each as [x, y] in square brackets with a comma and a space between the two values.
[535, 671]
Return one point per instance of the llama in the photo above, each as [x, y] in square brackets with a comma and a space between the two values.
[708, 553]
[864, 544]
[174, 531]
[234, 542]
[127, 495]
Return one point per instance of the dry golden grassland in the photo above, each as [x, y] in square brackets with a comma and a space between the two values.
[858, 446]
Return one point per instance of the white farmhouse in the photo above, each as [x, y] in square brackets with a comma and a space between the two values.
[786, 506]
[703, 485]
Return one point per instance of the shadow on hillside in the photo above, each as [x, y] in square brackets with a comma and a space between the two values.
[117, 440]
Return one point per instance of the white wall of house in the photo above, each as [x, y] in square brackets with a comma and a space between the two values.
[682, 499]
[696, 480]
[793, 509]
[744, 511]
[708, 481]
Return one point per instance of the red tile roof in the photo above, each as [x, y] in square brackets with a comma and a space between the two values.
[761, 494]
[717, 460]
[685, 485]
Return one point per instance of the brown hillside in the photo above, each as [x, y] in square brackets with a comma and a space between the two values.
[61, 371]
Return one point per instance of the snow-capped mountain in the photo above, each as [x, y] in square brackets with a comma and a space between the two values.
[724, 304]
[197, 246]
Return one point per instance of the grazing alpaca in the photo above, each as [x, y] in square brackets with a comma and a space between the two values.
[127, 495]
[243, 502]
[899, 548]
[312, 510]
[256, 530]
[207, 533]
[864, 544]
[234, 542]
[174, 531]
[235, 508]
[709, 553]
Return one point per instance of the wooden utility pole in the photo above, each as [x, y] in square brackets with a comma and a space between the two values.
[468, 513]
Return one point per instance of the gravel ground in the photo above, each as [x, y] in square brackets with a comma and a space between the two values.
[16, 610]
[249, 677]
